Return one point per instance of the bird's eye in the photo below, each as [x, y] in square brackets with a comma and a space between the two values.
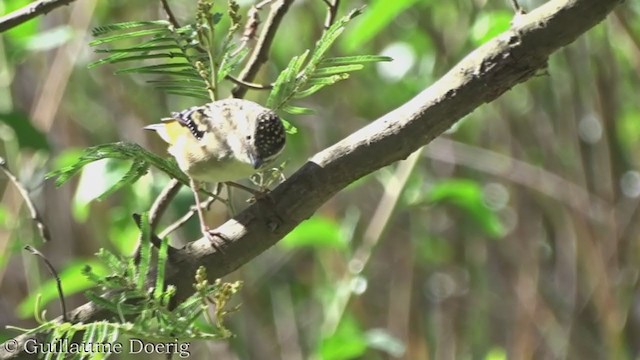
[248, 137]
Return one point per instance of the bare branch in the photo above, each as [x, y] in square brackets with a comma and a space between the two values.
[33, 211]
[332, 12]
[54, 273]
[517, 8]
[260, 53]
[29, 12]
[161, 203]
[172, 18]
[182, 220]
[249, 85]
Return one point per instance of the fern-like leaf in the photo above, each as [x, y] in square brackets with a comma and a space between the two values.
[122, 151]
[298, 81]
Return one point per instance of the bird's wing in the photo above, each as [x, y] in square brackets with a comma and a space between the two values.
[191, 122]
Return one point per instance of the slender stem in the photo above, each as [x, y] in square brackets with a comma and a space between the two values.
[182, 220]
[33, 212]
[517, 8]
[332, 12]
[172, 18]
[54, 273]
[162, 202]
[260, 53]
[250, 85]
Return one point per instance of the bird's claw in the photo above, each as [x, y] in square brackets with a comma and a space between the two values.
[211, 235]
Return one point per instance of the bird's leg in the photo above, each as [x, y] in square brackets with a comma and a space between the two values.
[257, 194]
[210, 235]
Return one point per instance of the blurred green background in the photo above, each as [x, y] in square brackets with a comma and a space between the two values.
[515, 235]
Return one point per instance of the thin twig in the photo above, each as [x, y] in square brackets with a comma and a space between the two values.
[517, 8]
[182, 220]
[33, 212]
[158, 208]
[249, 85]
[162, 202]
[54, 273]
[172, 18]
[260, 53]
[332, 11]
[29, 12]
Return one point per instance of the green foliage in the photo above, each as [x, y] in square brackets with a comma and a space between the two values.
[303, 78]
[140, 157]
[139, 311]
[73, 282]
[468, 196]
[316, 232]
[347, 342]
[378, 16]
[194, 64]
[27, 135]
[489, 25]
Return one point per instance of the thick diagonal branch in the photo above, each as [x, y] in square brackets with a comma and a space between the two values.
[479, 78]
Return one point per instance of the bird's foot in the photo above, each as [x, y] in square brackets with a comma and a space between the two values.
[214, 238]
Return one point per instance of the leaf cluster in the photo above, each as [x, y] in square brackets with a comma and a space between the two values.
[141, 310]
[311, 71]
[194, 65]
[141, 159]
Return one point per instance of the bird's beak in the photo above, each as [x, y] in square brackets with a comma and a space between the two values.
[256, 162]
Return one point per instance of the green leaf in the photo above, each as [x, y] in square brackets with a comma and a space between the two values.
[348, 341]
[297, 110]
[138, 49]
[490, 24]
[302, 78]
[381, 339]
[467, 195]
[357, 59]
[145, 251]
[117, 58]
[27, 135]
[315, 232]
[333, 70]
[377, 17]
[106, 29]
[50, 39]
[285, 84]
[130, 35]
[73, 281]
[119, 150]
[141, 69]
[330, 36]
[190, 93]
[162, 260]
[230, 61]
[96, 180]
[136, 171]
[496, 353]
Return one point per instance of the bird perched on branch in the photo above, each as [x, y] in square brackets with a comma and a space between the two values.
[222, 141]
